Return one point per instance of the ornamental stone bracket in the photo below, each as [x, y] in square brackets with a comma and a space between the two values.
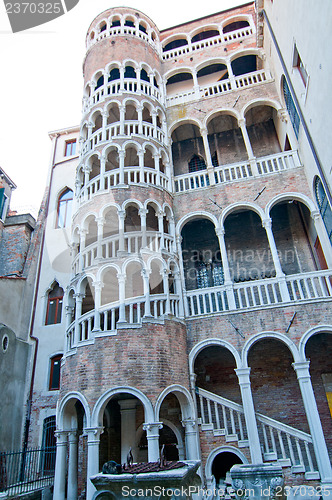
[261, 482]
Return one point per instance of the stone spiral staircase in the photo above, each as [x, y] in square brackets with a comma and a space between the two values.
[280, 443]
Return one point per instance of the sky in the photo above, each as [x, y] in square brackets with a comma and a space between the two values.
[41, 83]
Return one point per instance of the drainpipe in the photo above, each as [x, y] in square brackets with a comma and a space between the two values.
[35, 339]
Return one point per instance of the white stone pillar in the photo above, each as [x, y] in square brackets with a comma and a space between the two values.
[249, 415]
[140, 155]
[164, 275]
[78, 313]
[98, 285]
[231, 76]
[140, 119]
[204, 134]
[122, 295]
[72, 465]
[93, 458]
[145, 273]
[178, 291]
[178, 239]
[102, 172]
[160, 215]
[191, 439]
[267, 224]
[128, 428]
[60, 466]
[154, 122]
[242, 125]
[324, 465]
[122, 71]
[100, 227]
[220, 232]
[122, 110]
[121, 215]
[104, 123]
[142, 213]
[152, 435]
[122, 155]
[157, 169]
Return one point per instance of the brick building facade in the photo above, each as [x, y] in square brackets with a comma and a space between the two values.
[185, 278]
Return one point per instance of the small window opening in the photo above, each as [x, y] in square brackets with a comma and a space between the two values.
[54, 383]
[197, 163]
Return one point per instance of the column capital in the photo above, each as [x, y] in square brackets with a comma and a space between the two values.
[100, 220]
[79, 296]
[315, 215]
[203, 131]
[302, 369]
[241, 122]
[121, 213]
[267, 223]
[97, 285]
[69, 309]
[121, 278]
[142, 211]
[282, 114]
[188, 423]
[152, 426]
[93, 434]
[61, 437]
[220, 231]
[73, 436]
[122, 154]
[145, 273]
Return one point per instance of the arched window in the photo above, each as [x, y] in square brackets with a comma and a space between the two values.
[324, 207]
[197, 163]
[54, 381]
[48, 445]
[54, 305]
[64, 208]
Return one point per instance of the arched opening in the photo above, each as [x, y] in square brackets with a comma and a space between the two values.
[262, 126]
[203, 35]
[201, 255]
[296, 238]
[248, 252]
[226, 140]
[174, 44]
[94, 165]
[318, 350]
[111, 222]
[151, 219]
[180, 82]
[114, 74]
[92, 230]
[122, 416]
[88, 302]
[144, 76]
[98, 123]
[186, 142]
[129, 72]
[148, 158]
[131, 158]
[221, 467]
[100, 82]
[146, 115]
[132, 220]
[112, 160]
[134, 280]
[244, 64]
[235, 25]
[110, 289]
[113, 114]
[211, 74]
[155, 278]
[196, 163]
[131, 112]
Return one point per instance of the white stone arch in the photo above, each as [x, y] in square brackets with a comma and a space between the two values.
[238, 17]
[132, 143]
[287, 197]
[149, 145]
[158, 259]
[132, 201]
[96, 75]
[102, 21]
[268, 335]
[203, 28]
[104, 268]
[131, 62]
[183, 396]
[241, 205]
[209, 62]
[310, 333]
[217, 451]
[209, 343]
[110, 103]
[98, 410]
[86, 217]
[249, 51]
[130, 260]
[224, 111]
[155, 204]
[94, 114]
[66, 401]
[184, 121]
[272, 103]
[110, 146]
[106, 207]
[88, 276]
[112, 65]
[180, 69]
[131, 100]
[201, 214]
[177, 36]
[171, 261]
[166, 206]
[90, 154]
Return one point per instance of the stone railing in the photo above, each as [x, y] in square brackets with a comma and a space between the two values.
[116, 178]
[311, 286]
[122, 30]
[115, 88]
[256, 167]
[222, 87]
[130, 128]
[226, 38]
[281, 443]
[82, 330]
[109, 247]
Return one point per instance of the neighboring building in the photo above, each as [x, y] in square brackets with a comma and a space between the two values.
[184, 283]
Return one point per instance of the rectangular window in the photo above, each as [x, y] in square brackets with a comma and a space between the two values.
[3, 203]
[297, 63]
[70, 148]
[54, 383]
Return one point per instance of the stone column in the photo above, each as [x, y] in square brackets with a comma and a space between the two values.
[324, 465]
[140, 155]
[128, 428]
[104, 122]
[78, 313]
[242, 125]
[164, 275]
[220, 232]
[140, 119]
[122, 155]
[160, 215]
[72, 465]
[231, 76]
[122, 294]
[152, 435]
[93, 458]
[154, 123]
[100, 227]
[267, 224]
[102, 172]
[178, 288]
[98, 285]
[121, 215]
[209, 166]
[191, 438]
[60, 466]
[179, 252]
[122, 71]
[142, 213]
[249, 415]
[157, 169]
[122, 110]
[146, 284]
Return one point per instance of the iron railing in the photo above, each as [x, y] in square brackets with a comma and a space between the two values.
[26, 471]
